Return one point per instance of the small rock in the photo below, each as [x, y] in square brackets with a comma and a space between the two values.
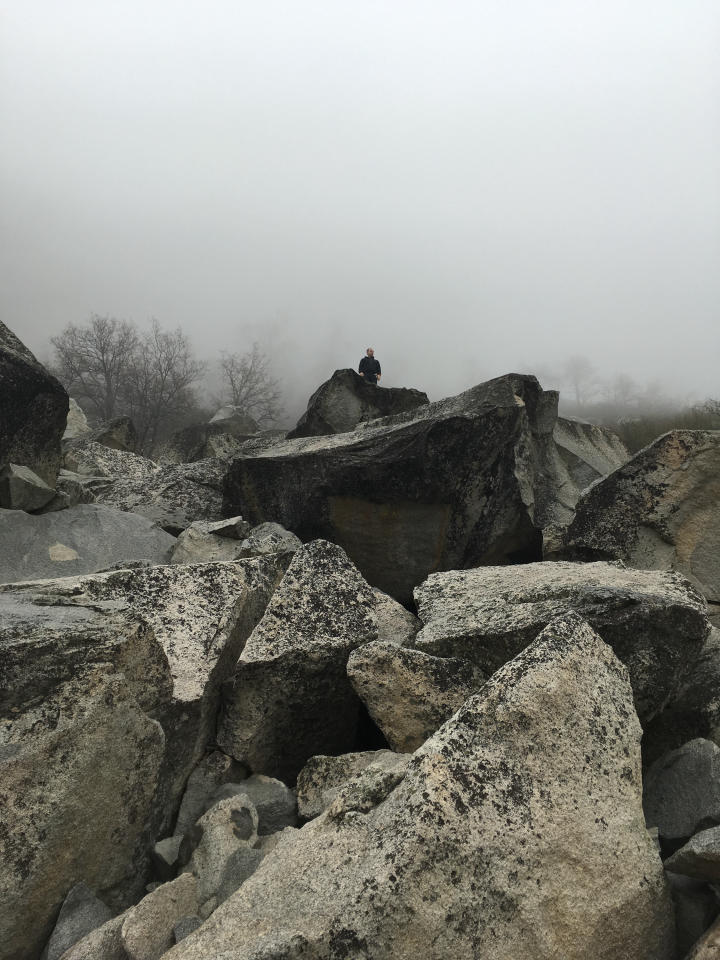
[269, 538]
[212, 771]
[147, 931]
[699, 858]
[275, 803]
[185, 926]
[22, 489]
[81, 913]
[164, 857]
[322, 778]
[410, 694]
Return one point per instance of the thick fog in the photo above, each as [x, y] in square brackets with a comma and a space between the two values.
[467, 187]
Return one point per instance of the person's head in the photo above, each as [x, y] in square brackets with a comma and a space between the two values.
[370, 352]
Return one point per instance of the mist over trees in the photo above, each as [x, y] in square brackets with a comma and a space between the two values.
[112, 368]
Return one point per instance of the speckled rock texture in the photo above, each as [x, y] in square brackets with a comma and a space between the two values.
[147, 929]
[22, 489]
[104, 943]
[222, 437]
[409, 694]
[200, 544]
[699, 858]
[221, 849]
[469, 480]
[291, 697]
[89, 780]
[682, 790]
[394, 623]
[212, 772]
[498, 843]
[660, 511]
[80, 913]
[323, 778]
[33, 410]
[346, 399]
[78, 775]
[655, 622]
[269, 538]
[90, 459]
[82, 539]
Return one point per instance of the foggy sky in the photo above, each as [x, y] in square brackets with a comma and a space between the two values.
[471, 188]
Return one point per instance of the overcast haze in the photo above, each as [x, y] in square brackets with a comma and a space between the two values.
[469, 187]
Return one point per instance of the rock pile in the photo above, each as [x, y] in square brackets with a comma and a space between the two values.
[233, 744]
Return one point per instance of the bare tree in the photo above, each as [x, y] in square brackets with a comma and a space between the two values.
[158, 393]
[92, 361]
[581, 376]
[248, 384]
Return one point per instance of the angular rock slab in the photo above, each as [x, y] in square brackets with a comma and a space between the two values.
[33, 410]
[682, 790]
[410, 694]
[322, 779]
[654, 621]
[81, 913]
[79, 540]
[498, 843]
[589, 451]
[22, 489]
[291, 697]
[659, 511]
[147, 929]
[468, 480]
[699, 858]
[346, 399]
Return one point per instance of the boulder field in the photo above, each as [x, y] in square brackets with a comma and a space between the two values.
[222, 736]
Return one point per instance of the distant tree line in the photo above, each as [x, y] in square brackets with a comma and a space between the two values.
[638, 414]
[113, 368]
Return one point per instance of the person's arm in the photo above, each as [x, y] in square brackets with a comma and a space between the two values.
[360, 367]
[379, 371]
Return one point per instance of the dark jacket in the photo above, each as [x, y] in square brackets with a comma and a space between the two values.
[370, 367]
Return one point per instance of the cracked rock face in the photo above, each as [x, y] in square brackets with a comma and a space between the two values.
[291, 697]
[655, 622]
[498, 843]
[659, 511]
[33, 410]
[468, 480]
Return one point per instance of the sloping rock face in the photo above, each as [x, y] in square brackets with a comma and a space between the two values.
[499, 842]
[118, 434]
[660, 511]
[291, 697]
[33, 410]
[81, 539]
[110, 695]
[655, 622]
[222, 437]
[346, 399]
[589, 451]
[469, 480]
[22, 489]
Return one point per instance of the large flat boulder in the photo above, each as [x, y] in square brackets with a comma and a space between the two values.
[465, 481]
[660, 511]
[110, 691]
[517, 833]
[81, 539]
[654, 621]
[291, 698]
[347, 399]
[33, 410]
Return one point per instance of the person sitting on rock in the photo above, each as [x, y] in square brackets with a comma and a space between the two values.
[370, 367]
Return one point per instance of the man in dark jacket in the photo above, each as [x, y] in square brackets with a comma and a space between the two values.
[370, 367]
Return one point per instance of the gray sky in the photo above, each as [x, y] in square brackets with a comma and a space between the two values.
[468, 187]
